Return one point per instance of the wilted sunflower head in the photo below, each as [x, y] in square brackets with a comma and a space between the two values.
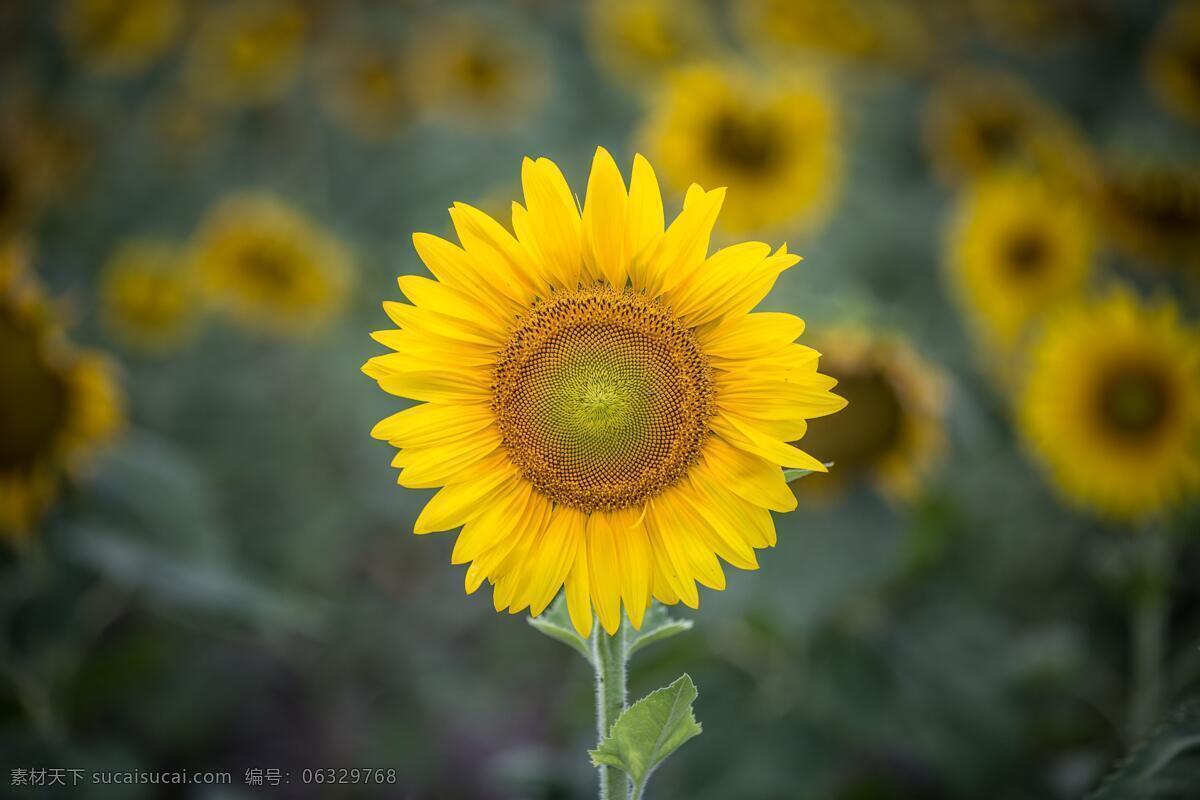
[270, 265]
[1152, 210]
[1111, 406]
[1173, 62]
[120, 37]
[639, 40]
[596, 403]
[57, 404]
[773, 143]
[247, 52]
[1017, 247]
[469, 70]
[891, 432]
[149, 295]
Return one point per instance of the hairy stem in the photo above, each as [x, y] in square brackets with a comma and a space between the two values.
[609, 657]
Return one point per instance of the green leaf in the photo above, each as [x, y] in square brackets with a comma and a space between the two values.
[649, 731]
[1164, 766]
[555, 622]
[656, 626]
[790, 475]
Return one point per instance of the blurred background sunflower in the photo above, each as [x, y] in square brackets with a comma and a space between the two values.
[206, 564]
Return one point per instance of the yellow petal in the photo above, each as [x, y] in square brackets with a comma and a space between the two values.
[643, 219]
[434, 296]
[430, 424]
[431, 323]
[495, 560]
[439, 386]
[731, 281]
[755, 441]
[430, 467]
[497, 524]
[604, 222]
[605, 566]
[553, 557]
[455, 504]
[684, 245]
[726, 521]
[453, 266]
[684, 529]
[579, 596]
[552, 222]
[420, 347]
[511, 268]
[752, 522]
[751, 336]
[669, 555]
[661, 588]
[636, 559]
[719, 274]
[748, 475]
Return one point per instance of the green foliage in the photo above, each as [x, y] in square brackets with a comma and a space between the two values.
[1166, 766]
[649, 731]
[656, 626]
[555, 622]
[790, 475]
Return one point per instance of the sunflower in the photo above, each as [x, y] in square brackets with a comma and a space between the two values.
[892, 431]
[16, 206]
[42, 154]
[636, 40]
[148, 295]
[121, 37]
[247, 52]
[58, 404]
[1173, 63]
[271, 265]
[364, 89]
[876, 31]
[1151, 210]
[774, 143]
[1017, 247]
[977, 122]
[596, 400]
[1111, 406]
[472, 71]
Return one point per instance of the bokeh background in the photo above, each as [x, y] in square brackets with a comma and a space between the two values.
[207, 564]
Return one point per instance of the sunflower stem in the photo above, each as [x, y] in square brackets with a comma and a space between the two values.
[1149, 630]
[609, 659]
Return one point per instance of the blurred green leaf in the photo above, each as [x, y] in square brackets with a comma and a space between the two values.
[555, 622]
[191, 583]
[656, 626]
[649, 731]
[1164, 766]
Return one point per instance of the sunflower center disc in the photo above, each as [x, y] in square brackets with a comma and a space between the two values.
[746, 142]
[1134, 401]
[603, 398]
[1027, 254]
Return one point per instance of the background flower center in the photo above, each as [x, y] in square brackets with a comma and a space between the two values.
[32, 399]
[1134, 401]
[867, 430]
[745, 141]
